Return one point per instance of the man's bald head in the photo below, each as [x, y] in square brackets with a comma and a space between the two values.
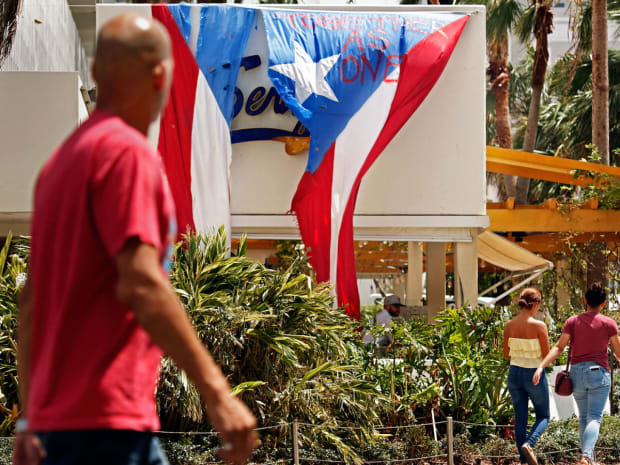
[133, 60]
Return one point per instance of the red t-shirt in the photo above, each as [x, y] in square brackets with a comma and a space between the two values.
[589, 337]
[92, 365]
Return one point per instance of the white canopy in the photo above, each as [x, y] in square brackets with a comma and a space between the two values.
[505, 254]
[520, 262]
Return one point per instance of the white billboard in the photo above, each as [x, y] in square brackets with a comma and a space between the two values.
[431, 175]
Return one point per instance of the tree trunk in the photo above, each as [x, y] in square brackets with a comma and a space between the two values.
[597, 263]
[499, 80]
[600, 80]
[542, 28]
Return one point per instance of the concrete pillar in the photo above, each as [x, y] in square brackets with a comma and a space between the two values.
[466, 272]
[435, 278]
[415, 268]
[399, 286]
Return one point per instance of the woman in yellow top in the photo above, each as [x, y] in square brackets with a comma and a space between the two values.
[526, 343]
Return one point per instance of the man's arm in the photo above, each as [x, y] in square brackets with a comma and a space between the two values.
[144, 287]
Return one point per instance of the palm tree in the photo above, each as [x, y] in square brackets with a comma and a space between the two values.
[502, 16]
[591, 28]
[600, 80]
[537, 19]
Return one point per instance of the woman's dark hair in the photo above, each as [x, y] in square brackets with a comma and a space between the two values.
[529, 297]
[596, 295]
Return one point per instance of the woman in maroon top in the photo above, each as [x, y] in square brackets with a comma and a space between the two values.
[589, 334]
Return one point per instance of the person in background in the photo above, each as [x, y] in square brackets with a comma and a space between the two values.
[589, 335]
[97, 310]
[391, 309]
[526, 342]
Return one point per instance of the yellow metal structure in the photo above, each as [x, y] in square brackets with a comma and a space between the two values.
[545, 167]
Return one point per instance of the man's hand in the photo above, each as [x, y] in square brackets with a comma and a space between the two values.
[235, 423]
[27, 449]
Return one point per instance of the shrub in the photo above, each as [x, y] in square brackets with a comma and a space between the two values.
[13, 266]
[286, 350]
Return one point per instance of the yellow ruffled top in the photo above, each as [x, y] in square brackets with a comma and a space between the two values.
[525, 353]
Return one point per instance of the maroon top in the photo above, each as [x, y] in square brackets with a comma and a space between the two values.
[589, 337]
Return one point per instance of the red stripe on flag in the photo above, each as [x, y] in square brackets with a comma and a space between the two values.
[175, 134]
[419, 71]
[312, 205]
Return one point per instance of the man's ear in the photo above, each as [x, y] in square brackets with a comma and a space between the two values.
[159, 75]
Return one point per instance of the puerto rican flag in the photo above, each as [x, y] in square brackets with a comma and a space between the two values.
[352, 79]
[194, 132]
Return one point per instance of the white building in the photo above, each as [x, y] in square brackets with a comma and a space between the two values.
[561, 39]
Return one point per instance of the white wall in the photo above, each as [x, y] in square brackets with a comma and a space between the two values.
[47, 40]
[38, 111]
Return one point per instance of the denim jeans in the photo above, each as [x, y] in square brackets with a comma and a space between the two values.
[591, 386]
[102, 447]
[521, 390]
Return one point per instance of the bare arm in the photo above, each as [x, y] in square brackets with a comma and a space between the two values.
[144, 287]
[553, 354]
[543, 338]
[506, 346]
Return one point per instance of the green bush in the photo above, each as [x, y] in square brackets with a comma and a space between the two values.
[454, 368]
[286, 350]
[13, 267]
[291, 355]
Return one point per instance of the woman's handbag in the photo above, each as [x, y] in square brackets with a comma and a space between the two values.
[563, 384]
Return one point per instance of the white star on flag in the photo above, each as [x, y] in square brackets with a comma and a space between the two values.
[309, 76]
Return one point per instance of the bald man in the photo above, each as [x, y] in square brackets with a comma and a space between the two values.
[97, 309]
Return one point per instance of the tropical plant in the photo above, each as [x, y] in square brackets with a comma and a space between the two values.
[537, 20]
[473, 369]
[454, 368]
[502, 16]
[565, 125]
[283, 346]
[13, 269]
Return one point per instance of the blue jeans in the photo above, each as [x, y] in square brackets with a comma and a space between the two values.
[521, 389]
[591, 386]
[102, 447]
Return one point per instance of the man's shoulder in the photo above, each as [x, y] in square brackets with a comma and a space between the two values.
[115, 135]
[383, 316]
[116, 144]
[104, 130]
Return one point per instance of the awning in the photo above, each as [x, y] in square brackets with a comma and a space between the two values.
[505, 254]
[521, 263]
